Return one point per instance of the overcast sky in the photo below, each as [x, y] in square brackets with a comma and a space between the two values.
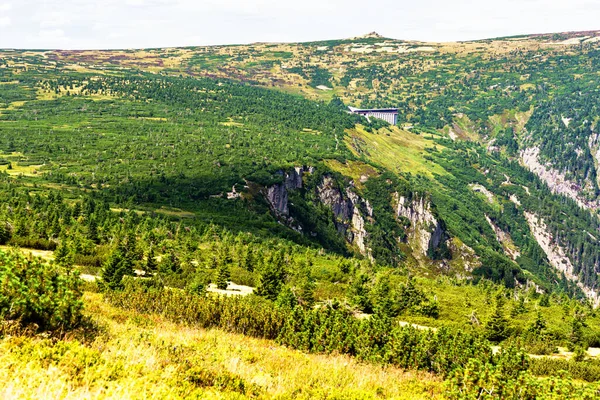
[95, 24]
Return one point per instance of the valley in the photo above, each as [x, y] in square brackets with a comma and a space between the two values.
[177, 176]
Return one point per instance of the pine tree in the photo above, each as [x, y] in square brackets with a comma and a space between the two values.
[151, 264]
[63, 255]
[286, 298]
[115, 268]
[538, 326]
[222, 276]
[170, 263]
[307, 291]
[545, 300]
[381, 298]
[519, 308]
[92, 233]
[359, 293]
[577, 325]
[496, 328]
[270, 281]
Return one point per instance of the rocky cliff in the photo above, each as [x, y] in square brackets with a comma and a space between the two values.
[426, 234]
[349, 210]
[277, 195]
[557, 180]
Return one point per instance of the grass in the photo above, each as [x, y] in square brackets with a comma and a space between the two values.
[358, 171]
[144, 356]
[458, 300]
[396, 149]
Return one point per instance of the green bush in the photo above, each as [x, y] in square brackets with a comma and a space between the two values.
[35, 292]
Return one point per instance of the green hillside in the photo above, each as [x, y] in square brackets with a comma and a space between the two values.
[169, 177]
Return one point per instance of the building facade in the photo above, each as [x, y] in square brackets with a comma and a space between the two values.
[390, 115]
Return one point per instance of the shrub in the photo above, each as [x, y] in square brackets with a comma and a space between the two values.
[35, 292]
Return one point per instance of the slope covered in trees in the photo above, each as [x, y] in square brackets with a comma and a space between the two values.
[189, 183]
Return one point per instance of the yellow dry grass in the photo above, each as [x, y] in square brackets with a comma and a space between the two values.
[25, 170]
[147, 357]
[44, 254]
[396, 149]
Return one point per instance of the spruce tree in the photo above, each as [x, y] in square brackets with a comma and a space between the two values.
[270, 281]
[307, 291]
[359, 293]
[92, 233]
[170, 263]
[151, 265]
[63, 255]
[286, 298]
[496, 328]
[222, 276]
[115, 268]
[381, 298]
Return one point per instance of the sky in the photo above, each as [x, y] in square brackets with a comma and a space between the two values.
[110, 24]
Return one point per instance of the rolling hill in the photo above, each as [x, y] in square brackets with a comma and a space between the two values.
[190, 166]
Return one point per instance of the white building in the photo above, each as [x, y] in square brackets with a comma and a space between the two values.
[389, 115]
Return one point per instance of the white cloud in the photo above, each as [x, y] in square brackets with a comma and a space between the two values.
[156, 23]
[52, 19]
[49, 34]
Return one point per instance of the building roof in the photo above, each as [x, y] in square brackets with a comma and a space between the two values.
[373, 109]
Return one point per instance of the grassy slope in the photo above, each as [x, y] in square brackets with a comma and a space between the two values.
[139, 356]
[395, 149]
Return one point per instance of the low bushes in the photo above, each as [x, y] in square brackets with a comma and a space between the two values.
[33, 292]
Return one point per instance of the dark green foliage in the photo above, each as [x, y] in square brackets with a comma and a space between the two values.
[325, 329]
[286, 298]
[222, 276]
[63, 254]
[116, 267]
[5, 232]
[151, 265]
[588, 371]
[35, 292]
[497, 328]
[359, 293]
[271, 279]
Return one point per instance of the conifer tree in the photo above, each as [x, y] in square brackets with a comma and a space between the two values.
[286, 298]
[151, 264]
[307, 291]
[170, 263]
[538, 326]
[545, 300]
[359, 293]
[63, 255]
[115, 267]
[496, 328]
[222, 276]
[270, 280]
[92, 233]
[381, 298]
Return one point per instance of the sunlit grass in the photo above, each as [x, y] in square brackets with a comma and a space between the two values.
[396, 149]
[140, 356]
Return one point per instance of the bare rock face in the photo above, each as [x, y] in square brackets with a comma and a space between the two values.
[556, 180]
[277, 195]
[330, 195]
[510, 249]
[349, 210]
[425, 231]
[557, 255]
